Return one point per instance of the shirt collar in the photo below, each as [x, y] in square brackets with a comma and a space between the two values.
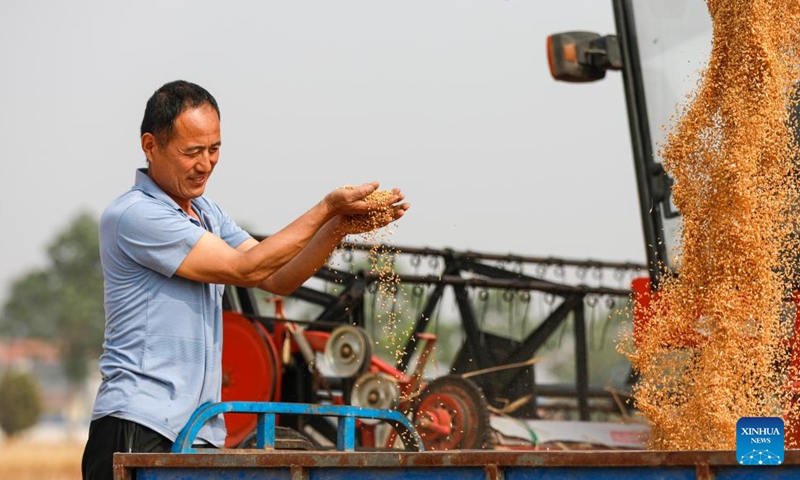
[151, 188]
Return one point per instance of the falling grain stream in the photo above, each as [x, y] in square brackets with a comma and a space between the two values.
[715, 347]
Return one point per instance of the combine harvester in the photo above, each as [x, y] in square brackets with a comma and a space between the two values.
[314, 400]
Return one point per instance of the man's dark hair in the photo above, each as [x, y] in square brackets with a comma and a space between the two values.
[168, 102]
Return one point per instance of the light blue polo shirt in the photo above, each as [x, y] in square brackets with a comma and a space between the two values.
[162, 355]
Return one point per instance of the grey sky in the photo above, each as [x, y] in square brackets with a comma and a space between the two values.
[450, 100]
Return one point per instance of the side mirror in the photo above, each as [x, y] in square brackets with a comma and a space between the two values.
[582, 56]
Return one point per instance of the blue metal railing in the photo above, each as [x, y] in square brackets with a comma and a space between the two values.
[265, 430]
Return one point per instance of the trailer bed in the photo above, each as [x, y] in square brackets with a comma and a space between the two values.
[461, 465]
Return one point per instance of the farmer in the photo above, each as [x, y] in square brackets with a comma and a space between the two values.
[167, 252]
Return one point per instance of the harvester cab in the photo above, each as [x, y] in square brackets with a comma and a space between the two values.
[663, 46]
[660, 49]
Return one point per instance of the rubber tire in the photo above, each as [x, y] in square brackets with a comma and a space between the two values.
[472, 409]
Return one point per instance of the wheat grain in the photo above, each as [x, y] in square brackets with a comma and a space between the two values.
[732, 155]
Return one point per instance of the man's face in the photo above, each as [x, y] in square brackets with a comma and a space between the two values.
[182, 166]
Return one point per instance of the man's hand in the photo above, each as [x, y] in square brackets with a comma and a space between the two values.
[366, 208]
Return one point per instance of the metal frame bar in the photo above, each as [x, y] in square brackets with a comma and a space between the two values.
[641, 142]
[266, 412]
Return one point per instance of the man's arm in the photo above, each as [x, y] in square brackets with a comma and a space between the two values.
[303, 265]
[301, 247]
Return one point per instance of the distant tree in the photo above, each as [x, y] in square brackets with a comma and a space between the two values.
[20, 402]
[63, 302]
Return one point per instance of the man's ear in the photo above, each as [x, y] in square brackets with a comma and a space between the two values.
[148, 145]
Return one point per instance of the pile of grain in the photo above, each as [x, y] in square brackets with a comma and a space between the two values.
[732, 154]
[379, 214]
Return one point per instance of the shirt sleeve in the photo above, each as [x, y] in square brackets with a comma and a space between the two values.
[229, 230]
[157, 237]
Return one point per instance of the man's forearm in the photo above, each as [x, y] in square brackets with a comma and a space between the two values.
[303, 265]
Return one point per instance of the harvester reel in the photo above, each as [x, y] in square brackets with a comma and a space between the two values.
[451, 413]
[375, 390]
[348, 351]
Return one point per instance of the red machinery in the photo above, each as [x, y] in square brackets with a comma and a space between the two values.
[449, 412]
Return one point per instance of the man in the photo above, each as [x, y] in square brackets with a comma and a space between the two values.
[166, 252]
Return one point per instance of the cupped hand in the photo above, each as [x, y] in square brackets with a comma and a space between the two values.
[365, 208]
[361, 199]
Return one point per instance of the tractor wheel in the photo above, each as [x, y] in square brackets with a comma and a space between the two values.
[451, 413]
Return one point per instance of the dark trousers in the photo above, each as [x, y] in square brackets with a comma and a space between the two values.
[108, 435]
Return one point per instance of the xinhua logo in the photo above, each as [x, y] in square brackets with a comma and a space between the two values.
[759, 441]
